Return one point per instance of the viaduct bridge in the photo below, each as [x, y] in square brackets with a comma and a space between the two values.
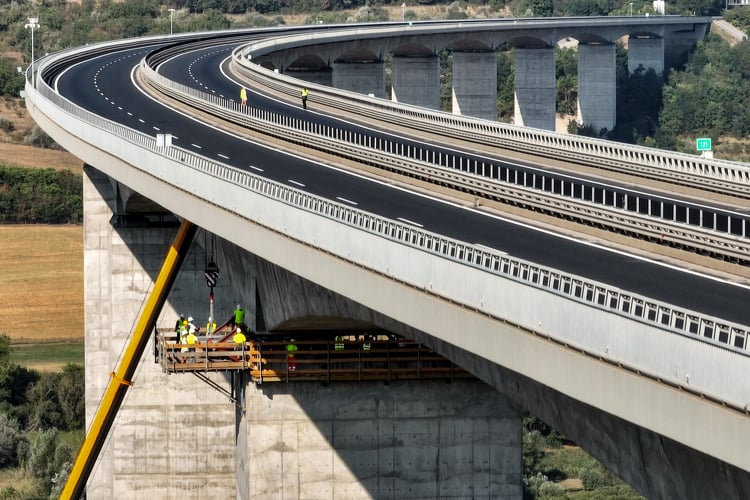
[639, 362]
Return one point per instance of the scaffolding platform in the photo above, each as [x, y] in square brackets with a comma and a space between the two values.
[270, 359]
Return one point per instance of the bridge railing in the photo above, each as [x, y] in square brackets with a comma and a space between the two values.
[594, 294]
[537, 141]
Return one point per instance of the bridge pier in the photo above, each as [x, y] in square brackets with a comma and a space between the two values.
[171, 433]
[416, 439]
[647, 52]
[416, 80]
[535, 104]
[597, 86]
[475, 84]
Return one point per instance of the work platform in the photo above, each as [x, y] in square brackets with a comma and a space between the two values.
[270, 360]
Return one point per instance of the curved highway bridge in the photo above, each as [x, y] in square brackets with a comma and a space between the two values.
[359, 221]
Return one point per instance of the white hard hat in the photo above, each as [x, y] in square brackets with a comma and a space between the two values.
[239, 306]
[190, 318]
[239, 330]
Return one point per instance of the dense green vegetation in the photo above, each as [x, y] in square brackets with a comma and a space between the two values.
[29, 196]
[41, 425]
[546, 463]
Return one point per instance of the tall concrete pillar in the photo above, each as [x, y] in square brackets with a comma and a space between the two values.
[366, 78]
[416, 80]
[419, 439]
[173, 433]
[646, 52]
[475, 84]
[535, 98]
[597, 85]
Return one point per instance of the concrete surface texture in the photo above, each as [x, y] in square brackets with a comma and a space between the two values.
[404, 440]
[174, 436]
[416, 80]
[646, 52]
[535, 104]
[596, 86]
[474, 89]
[365, 78]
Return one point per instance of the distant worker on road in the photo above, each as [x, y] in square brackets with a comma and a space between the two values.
[304, 97]
[243, 96]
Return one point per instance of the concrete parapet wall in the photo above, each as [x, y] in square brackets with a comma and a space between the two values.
[370, 440]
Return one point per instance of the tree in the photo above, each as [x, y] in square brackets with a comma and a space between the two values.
[10, 436]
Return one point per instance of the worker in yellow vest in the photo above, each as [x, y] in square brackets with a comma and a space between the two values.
[191, 340]
[239, 340]
[304, 97]
[243, 96]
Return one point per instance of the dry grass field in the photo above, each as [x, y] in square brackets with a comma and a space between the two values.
[41, 286]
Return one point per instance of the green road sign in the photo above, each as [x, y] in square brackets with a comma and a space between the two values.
[703, 144]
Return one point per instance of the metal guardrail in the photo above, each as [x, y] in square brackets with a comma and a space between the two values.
[707, 229]
[684, 169]
[594, 294]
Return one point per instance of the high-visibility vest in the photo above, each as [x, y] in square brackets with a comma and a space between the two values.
[239, 338]
[291, 349]
[210, 328]
[339, 343]
[239, 316]
[191, 338]
[243, 93]
[304, 92]
[366, 346]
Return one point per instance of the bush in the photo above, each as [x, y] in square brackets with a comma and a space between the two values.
[592, 479]
[10, 436]
[6, 125]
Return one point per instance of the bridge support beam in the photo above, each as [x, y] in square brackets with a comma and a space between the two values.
[646, 52]
[419, 439]
[416, 80]
[363, 77]
[596, 85]
[475, 84]
[535, 103]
